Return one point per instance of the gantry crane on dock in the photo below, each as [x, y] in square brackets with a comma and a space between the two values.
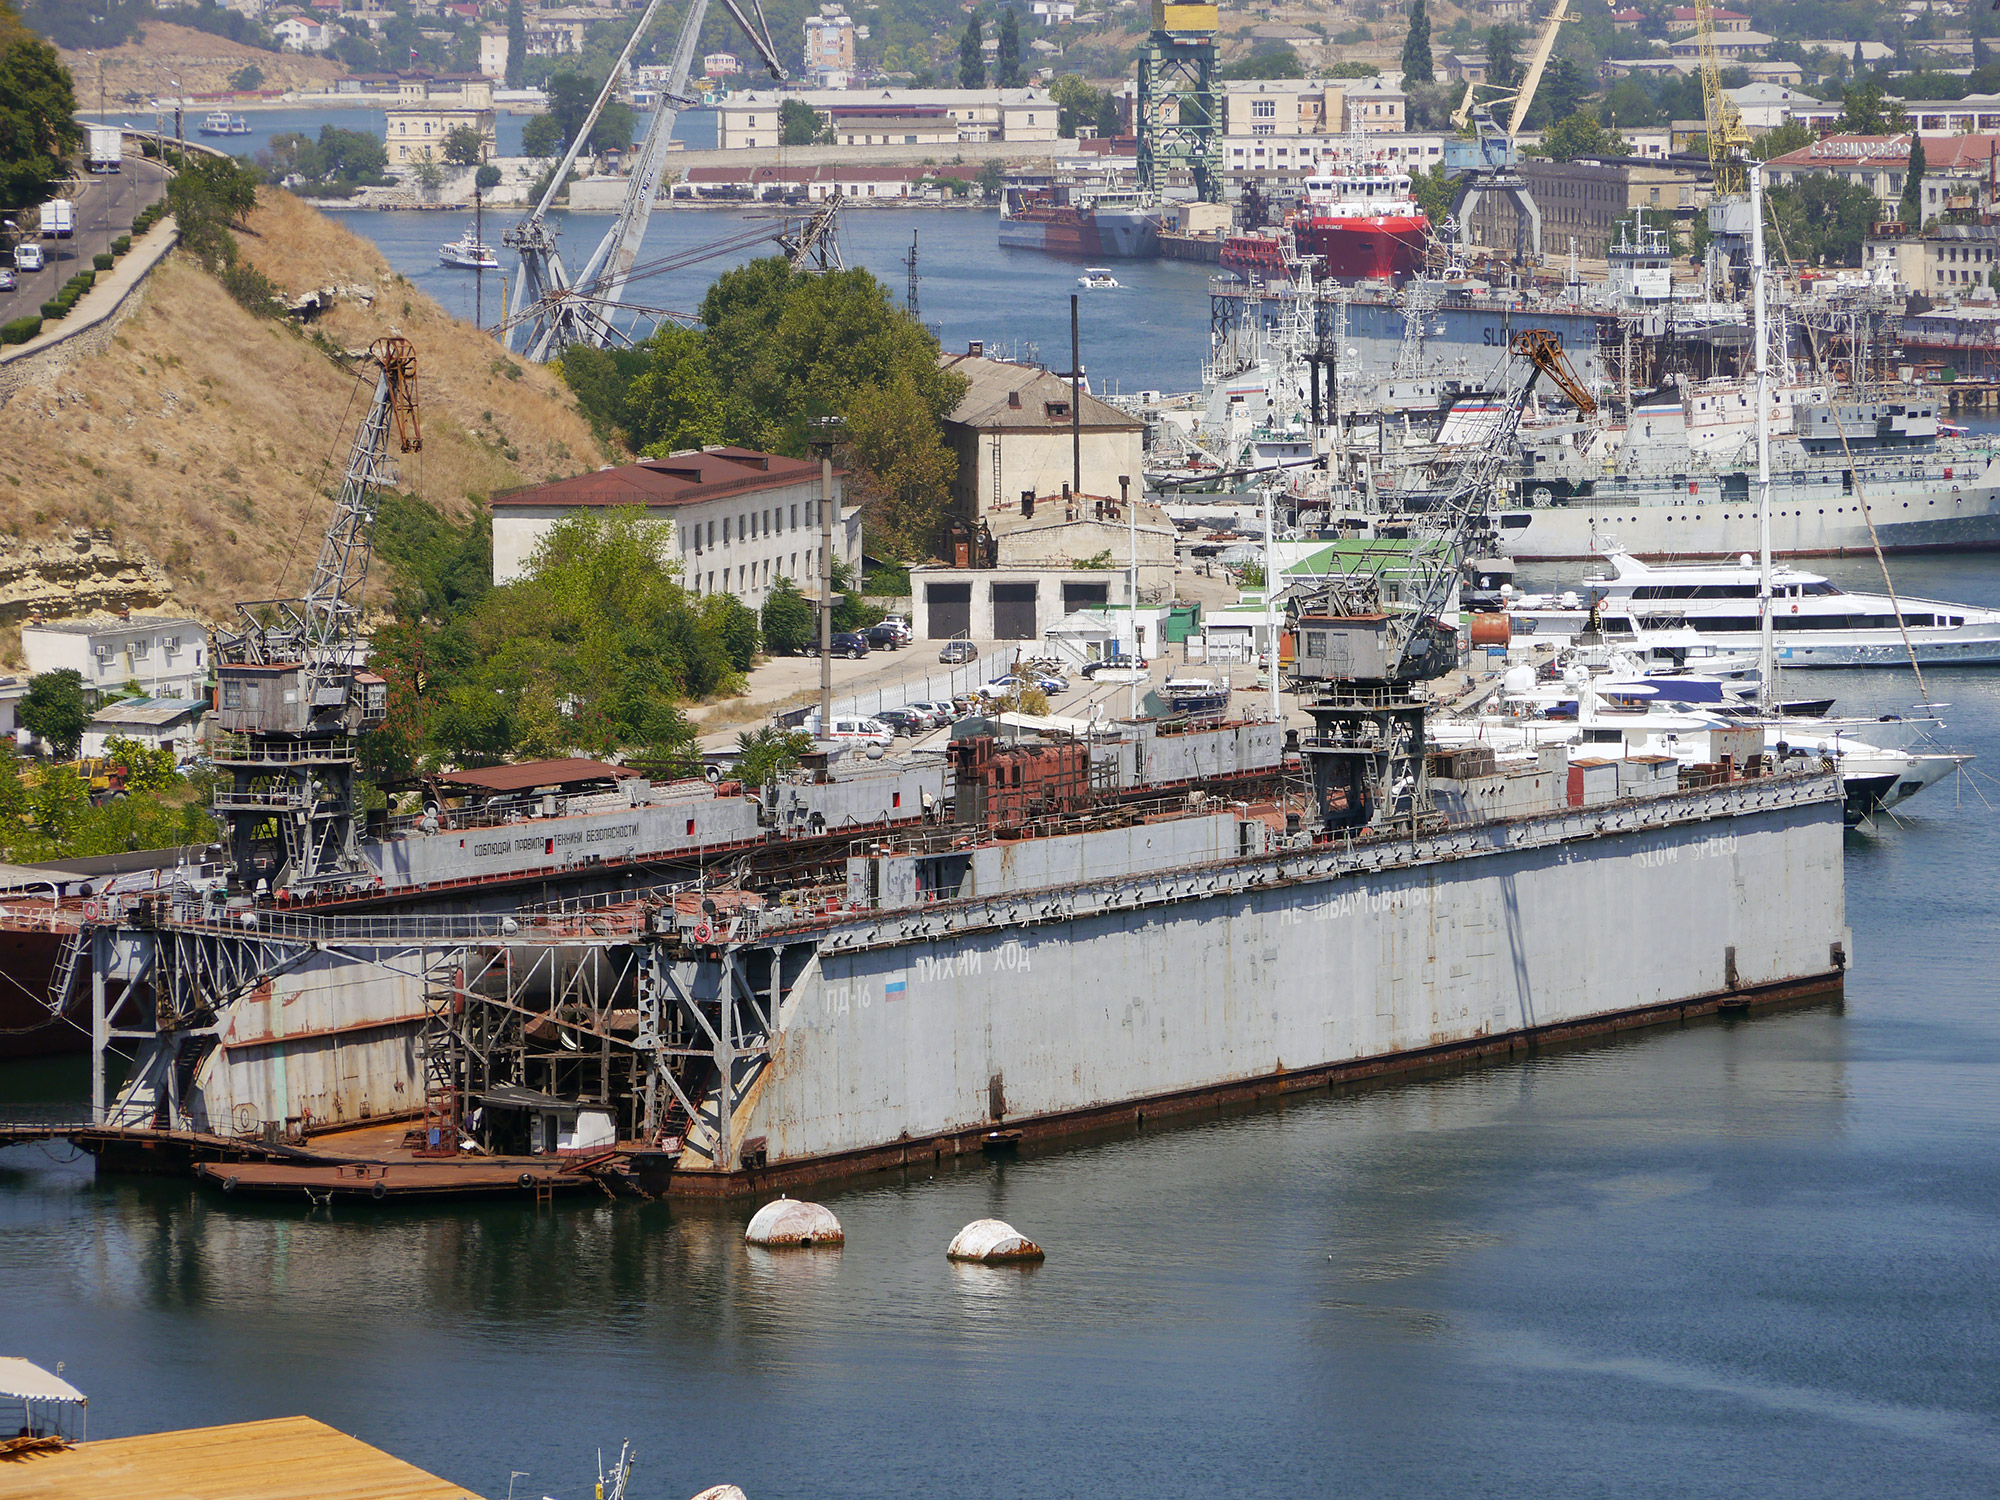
[1496, 167]
[291, 695]
[549, 310]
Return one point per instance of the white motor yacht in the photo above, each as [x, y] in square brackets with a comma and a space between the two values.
[1814, 623]
[1097, 279]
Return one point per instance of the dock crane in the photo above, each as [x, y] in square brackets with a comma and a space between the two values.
[290, 695]
[1367, 750]
[1495, 168]
[549, 310]
[1729, 223]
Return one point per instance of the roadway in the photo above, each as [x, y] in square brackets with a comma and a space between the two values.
[106, 204]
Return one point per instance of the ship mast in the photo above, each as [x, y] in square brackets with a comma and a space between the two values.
[1767, 656]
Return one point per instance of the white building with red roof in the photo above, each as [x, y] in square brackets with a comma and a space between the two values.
[1959, 170]
[740, 519]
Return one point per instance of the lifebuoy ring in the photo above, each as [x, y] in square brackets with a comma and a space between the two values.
[703, 933]
[379, 1191]
[93, 911]
[527, 1179]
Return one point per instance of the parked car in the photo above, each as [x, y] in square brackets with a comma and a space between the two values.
[27, 257]
[884, 637]
[904, 721]
[956, 652]
[1115, 663]
[849, 643]
[902, 626]
[941, 713]
[852, 731]
[6, 280]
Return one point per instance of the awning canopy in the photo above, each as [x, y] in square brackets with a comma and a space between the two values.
[24, 1380]
[513, 1096]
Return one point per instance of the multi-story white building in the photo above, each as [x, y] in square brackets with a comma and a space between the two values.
[721, 64]
[493, 54]
[751, 119]
[1307, 106]
[165, 656]
[1296, 156]
[425, 112]
[740, 520]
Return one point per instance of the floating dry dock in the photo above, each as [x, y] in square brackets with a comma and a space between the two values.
[1038, 952]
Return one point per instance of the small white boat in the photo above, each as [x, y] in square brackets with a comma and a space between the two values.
[469, 253]
[1097, 279]
[221, 122]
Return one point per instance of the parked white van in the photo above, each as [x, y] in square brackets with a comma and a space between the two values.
[851, 731]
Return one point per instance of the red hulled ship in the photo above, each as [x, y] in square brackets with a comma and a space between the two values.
[1359, 223]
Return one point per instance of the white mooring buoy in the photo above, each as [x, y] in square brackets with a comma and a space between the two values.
[991, 1242]
[722, 1492]
[788, 1224]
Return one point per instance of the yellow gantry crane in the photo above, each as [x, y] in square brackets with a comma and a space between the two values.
[1728, 137]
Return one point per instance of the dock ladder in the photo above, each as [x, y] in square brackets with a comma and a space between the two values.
[437, 1045]
[68, 964]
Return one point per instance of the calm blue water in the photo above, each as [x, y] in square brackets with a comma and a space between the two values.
[1749, 1259]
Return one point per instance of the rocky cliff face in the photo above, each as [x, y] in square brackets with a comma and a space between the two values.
[85, 573]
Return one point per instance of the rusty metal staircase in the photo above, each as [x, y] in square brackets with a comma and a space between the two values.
[439, 1052]
[69, 963]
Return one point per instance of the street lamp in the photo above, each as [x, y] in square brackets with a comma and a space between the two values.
[826, 433]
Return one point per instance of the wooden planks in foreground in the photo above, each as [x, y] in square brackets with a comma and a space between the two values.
[287, 1458]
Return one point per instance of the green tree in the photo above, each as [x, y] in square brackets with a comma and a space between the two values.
[1265, 60]
[788, 620]
[991, 180]
[247, 79]
[570, 96]
[1580, 134]
[1077, 103]
[1911, 208]
[59, 802]
[762, 753]
[1865, 110]
[487, 177]
[971, 54]
[207, 195]
[1007, 65]
[1434, 191]
[675, 403]
[787, 348]
[1823, 218]
[37, 118]
[542, 137]
[464, 146]
[901, 467]
[53, 711]
[1418, 66]
[1564, 89]
[1503, 63]
[799, 124]
[1788, 137]
[517, 43]
[427, 174]
[146, 769]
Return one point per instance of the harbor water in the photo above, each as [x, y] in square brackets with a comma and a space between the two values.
[1751, 1257]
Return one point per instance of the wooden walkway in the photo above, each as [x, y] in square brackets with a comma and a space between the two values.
[289, 1458]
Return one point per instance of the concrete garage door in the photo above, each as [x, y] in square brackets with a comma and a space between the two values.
[1078, 596]
[950, 606]
[1014, 612]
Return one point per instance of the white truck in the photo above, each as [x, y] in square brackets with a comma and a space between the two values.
[107, 146]
[58, 219]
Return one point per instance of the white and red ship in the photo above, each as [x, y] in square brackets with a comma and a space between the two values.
[1359, 221]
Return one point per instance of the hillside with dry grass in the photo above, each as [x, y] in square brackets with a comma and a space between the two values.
[204, 64]
[207, 440]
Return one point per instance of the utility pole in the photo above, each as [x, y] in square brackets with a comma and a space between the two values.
[1075, 404]
[826, 434]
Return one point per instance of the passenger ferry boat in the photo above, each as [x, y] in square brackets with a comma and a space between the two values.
[469, 253]
[221, 122]
[1814, 623]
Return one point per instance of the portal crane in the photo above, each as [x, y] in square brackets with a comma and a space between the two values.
[290, 694]
[1496, 169]
[549, 311]
[1367, 750]
[1729, 213]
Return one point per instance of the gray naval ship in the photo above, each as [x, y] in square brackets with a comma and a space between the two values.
[1678, 482]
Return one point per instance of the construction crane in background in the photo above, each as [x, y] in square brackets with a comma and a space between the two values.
[550, 310]
[1495, 168]
[1728, 137]
[290, 695]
